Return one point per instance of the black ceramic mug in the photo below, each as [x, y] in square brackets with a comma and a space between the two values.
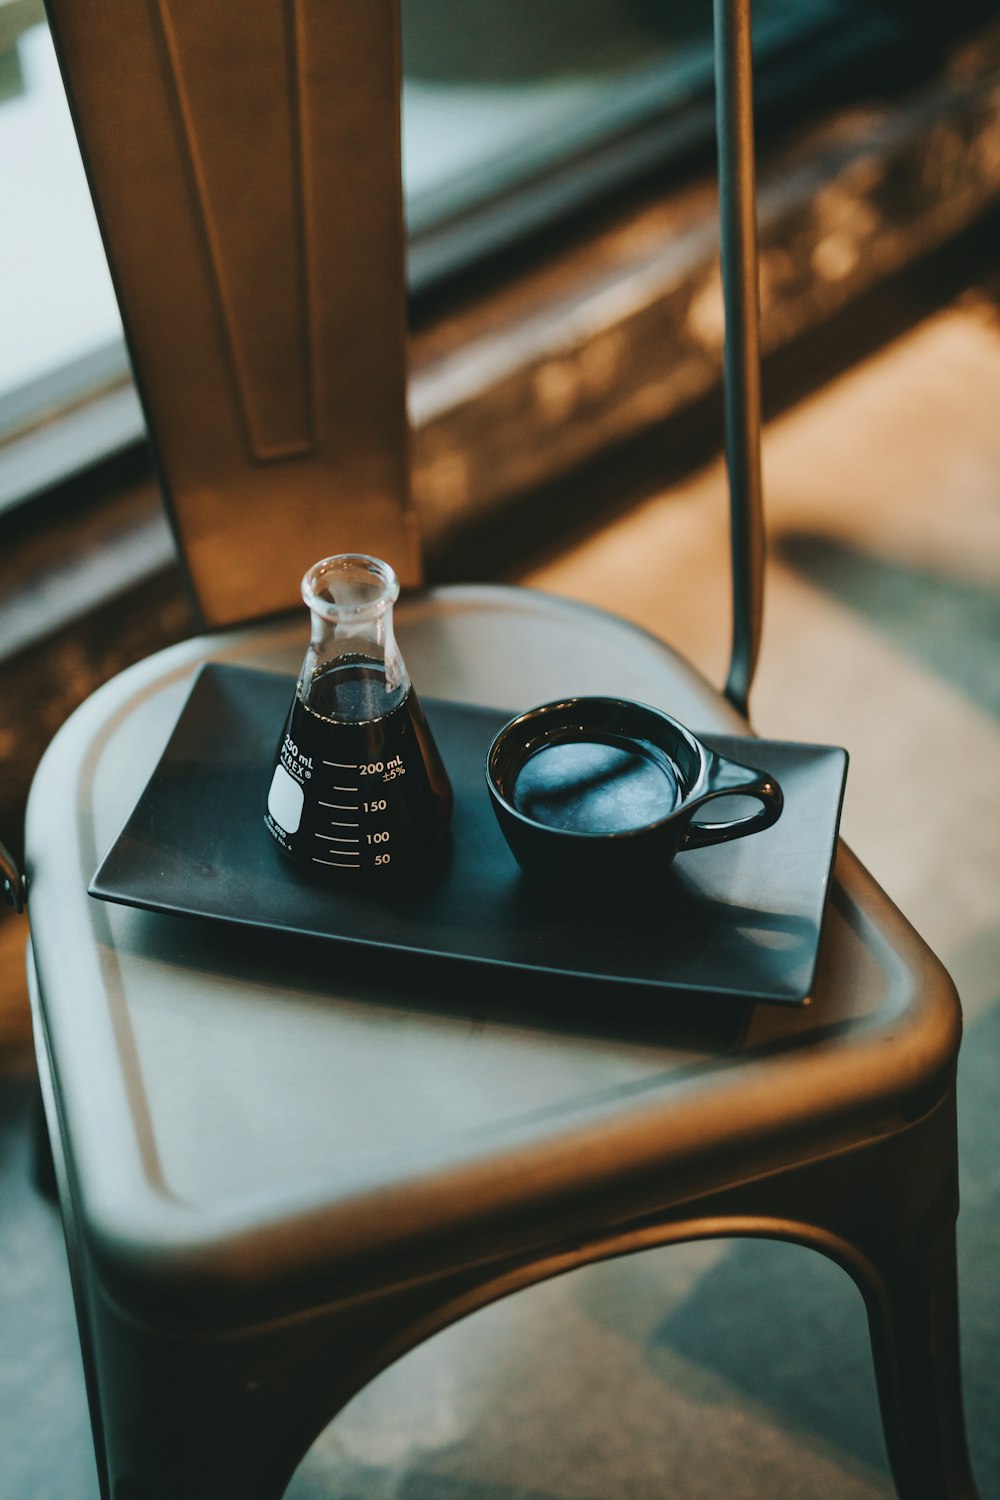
[602, 793]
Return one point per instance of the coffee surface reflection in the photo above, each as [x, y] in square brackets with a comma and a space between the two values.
[591, 787]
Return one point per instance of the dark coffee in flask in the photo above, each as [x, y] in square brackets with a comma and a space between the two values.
[358, 788]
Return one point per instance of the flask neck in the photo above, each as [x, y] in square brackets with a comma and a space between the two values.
[350, 600]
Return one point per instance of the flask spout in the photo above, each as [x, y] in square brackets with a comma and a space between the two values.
[353, 669]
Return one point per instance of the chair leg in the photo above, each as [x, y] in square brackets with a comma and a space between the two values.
[902, 1245]
[886, 1212]
[232, 1413]
[912, 1298]
[190, 1419]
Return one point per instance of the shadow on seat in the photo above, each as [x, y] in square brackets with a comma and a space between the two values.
[281, 1168]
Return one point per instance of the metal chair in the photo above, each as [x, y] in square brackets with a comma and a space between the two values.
[270, 1184]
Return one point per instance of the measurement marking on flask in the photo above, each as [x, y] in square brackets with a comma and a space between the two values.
[342, 765]
[340, 863]
[334, 838]
[339, 823]
[340, 806]
[345, 789]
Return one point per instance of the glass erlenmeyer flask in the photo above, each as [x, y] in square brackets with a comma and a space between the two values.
[359, 787]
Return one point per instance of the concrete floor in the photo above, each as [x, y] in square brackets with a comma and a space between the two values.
[729, 1368]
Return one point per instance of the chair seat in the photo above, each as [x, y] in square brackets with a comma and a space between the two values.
[255, 1125]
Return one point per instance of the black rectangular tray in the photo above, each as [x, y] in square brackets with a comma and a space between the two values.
[741, 919]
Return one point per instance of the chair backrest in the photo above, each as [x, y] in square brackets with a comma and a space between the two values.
[245, 164]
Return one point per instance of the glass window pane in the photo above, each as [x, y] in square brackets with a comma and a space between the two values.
[57, 305]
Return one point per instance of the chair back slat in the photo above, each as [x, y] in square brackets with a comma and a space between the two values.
[245, 164]
[741, 293]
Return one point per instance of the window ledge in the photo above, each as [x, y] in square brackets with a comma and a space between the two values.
[626, 330]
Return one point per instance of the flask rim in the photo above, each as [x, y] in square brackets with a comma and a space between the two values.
[378, 576]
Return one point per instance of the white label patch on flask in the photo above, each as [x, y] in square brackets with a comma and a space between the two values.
[284, 800]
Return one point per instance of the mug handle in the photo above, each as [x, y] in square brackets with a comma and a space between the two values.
[726, 778]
